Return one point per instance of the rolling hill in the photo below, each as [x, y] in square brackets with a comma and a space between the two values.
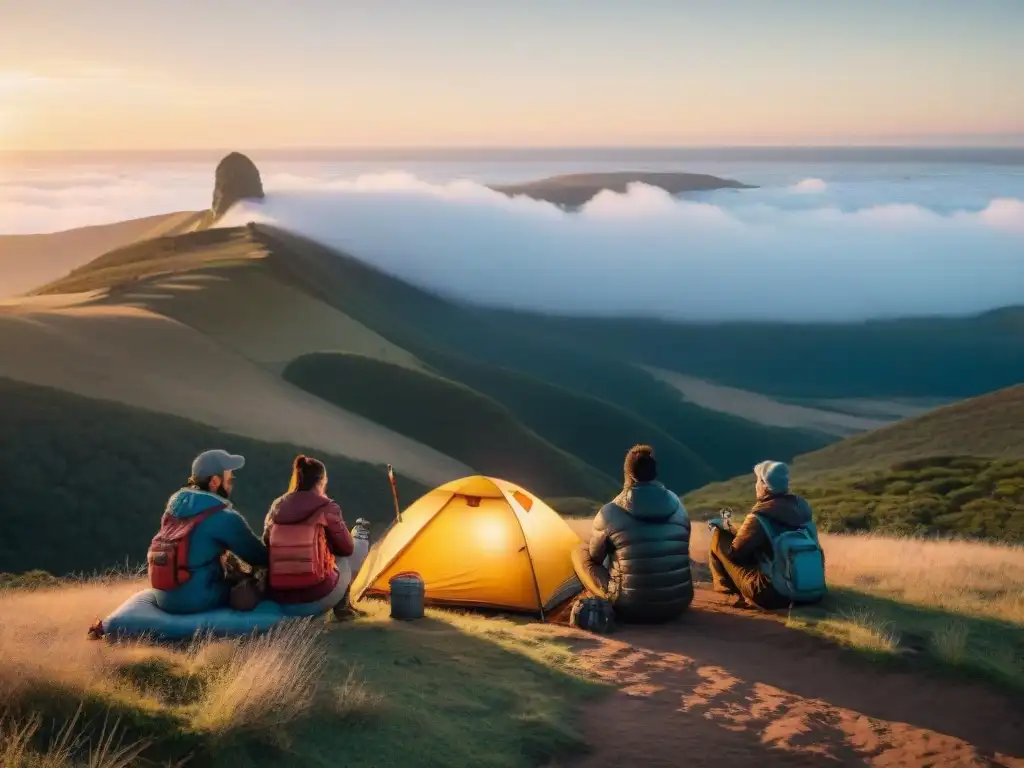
[219, 282]
[917, 361]
[457, 420]
[83, 481]
[262, 340]
[954, 470]
[28, 261]
[446, 334]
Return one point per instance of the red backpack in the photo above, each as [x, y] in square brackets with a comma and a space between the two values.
[299, 555]
[168, 552]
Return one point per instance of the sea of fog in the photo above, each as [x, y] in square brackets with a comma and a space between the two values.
[834, 235]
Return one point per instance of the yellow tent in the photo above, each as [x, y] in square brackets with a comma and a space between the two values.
[477, 542]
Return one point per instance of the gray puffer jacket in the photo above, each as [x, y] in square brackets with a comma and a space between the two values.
[645, 535]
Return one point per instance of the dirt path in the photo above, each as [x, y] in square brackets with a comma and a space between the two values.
[727, 687]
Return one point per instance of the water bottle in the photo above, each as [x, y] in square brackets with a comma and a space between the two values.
[361, 530]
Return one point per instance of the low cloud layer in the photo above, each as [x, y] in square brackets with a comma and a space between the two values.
[822, 247]
[736, 256]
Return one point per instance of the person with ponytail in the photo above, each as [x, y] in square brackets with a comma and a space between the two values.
[313, 556]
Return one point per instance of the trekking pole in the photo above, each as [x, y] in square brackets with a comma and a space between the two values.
[394, 492]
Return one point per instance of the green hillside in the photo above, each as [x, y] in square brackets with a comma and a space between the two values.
[604, 404]
[594, 429]
[443, 332]
[945, 358]
[555, 402]
[957, 470]
[83, 482]
[450, 417]
[991, 425]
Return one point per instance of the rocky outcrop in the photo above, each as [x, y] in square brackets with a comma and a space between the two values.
[237, 178]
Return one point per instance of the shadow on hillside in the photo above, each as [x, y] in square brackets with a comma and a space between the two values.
[451, 696]
[469, 680]
[719, 677]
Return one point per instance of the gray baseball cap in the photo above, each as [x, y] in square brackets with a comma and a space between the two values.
[216, 462]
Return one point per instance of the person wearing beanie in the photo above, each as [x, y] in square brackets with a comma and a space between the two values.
[736, 557]
[638, 556]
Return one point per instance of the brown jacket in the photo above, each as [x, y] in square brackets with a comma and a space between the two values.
[786, 509]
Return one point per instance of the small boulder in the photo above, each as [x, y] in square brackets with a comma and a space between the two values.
[237, 178]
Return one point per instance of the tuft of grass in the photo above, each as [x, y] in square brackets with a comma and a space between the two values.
[867, 631]
[71, 747]
[266, 683]
[949, 642]
[353, 700]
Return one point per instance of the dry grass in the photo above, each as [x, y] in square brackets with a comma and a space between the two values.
[439, 682]
[861, 629]
[950, 643]
[960, 603]
[962, 577]
[213, 688]
[265, 683]
[352, 700]
[70, 747]
[42, 637]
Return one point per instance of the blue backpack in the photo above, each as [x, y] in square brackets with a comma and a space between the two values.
[797, 565]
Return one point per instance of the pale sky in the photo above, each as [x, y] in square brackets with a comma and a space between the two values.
[183, 74]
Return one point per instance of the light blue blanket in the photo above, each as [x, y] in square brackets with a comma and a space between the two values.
[138, 616]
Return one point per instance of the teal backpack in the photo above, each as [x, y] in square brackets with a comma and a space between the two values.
[797, 568]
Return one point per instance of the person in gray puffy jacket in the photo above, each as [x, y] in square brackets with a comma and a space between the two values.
[638, 556]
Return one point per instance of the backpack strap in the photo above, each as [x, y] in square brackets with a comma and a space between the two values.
[768, 527]
[195, 524]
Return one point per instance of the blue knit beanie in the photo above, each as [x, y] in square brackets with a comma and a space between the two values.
[774, 475]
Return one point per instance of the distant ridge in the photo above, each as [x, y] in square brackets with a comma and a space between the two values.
[574, 190]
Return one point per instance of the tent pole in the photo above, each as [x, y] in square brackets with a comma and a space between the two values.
[526, 546]
[394, 492]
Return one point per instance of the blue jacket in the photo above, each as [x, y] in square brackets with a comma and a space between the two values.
[224, 531]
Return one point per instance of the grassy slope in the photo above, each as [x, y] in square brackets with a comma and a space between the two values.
[991, 425]
[956, 470]
[945, 358]
[595, 430]
[27, 261]
[366, 693]
[450, 417]
[443, 332]
[411, 320]
[122, 267]
[83, 482]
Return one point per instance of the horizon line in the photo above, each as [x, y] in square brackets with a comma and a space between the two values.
[441, 148]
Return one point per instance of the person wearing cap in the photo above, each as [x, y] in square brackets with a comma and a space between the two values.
[223, 530]
[638, 557]
[735, 559]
